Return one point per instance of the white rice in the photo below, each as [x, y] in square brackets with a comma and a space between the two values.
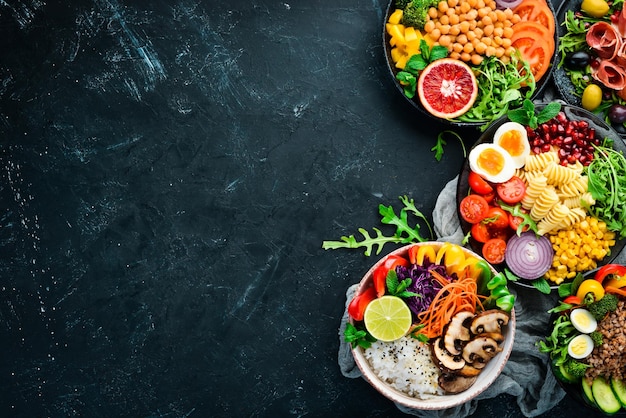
[406, 365]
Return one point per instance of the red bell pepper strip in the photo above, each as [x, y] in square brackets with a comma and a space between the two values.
[356, 308]
[380, 274]
[609, 269]
[573, 300]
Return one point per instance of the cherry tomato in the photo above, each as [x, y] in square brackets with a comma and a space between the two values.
[473, 208]
[479, 184]
[497, 218]
[480, 232]
[489, 196]
[515, 221]
[502, 233]
[512, 190]
[380, 274]
[494, 249]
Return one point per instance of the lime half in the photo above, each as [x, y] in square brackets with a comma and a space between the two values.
[387, 318]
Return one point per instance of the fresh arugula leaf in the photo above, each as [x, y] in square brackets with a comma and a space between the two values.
[404, 232]
[527, 222]
[415, 333]
[401, 223]
[441, 142]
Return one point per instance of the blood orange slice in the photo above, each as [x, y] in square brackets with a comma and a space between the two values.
[447, 88]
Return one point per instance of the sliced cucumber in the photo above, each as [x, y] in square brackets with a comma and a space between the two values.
[587, 395]
[619, 388]
[604, 396]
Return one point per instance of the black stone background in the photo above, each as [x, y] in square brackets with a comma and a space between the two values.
[168, 172]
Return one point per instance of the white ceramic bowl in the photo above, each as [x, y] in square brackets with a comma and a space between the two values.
[486, 378]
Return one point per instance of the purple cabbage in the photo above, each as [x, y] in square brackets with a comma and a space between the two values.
[422, 283]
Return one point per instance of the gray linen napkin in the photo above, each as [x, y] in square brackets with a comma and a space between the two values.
[527, 374]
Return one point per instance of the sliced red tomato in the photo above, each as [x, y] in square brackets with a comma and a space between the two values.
[380, 274]
[480, 232]
[479, 184]
[536, 44]
[536, 53]
[473, 208]
[502, 233]
[493, 250]
[512, 190]
[497, 218]
[536, 11]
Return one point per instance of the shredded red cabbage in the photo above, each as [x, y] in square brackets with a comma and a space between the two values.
[422, 283]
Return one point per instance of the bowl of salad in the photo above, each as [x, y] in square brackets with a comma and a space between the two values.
[539, 194]
[431, 325]
[590, 70]
[466, 62]
[585, 342]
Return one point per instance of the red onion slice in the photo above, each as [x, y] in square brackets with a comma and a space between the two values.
[511, 4]
[528, 255]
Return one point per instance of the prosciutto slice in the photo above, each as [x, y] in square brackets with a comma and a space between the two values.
[611, 74]
[604, 39]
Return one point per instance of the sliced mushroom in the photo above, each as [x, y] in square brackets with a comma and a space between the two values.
[479, 351]
[454, 383]
[489, 321]
[469, 371]
[496, 336]
[443, 359]
[457, 333]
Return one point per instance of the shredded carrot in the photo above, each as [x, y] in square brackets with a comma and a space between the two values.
[454, 297]
[615, 290]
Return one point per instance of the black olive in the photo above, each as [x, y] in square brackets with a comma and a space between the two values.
[577, 60]
[617, 113]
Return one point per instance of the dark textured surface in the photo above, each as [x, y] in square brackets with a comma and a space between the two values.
[168, 171]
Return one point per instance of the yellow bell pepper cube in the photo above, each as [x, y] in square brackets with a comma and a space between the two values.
[396, 31]
[395, 17]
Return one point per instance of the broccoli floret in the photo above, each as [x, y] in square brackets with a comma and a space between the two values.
[575, 368]
[415, 13]
[401, 4]
[601, 307]
[597, 338]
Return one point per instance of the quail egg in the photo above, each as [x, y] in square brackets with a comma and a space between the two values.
[513, 138]
[583, 321]
[580, 346]
[491, 162]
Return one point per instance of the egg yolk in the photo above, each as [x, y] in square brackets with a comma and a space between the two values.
[491, 161]
[579, 346]
[582, 320]
[512, 142]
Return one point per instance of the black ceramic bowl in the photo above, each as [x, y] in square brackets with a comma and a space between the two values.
[573, 113]
[415, 102]
[562, 80]
[574, 390]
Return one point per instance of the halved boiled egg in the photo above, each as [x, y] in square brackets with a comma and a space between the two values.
[583, 321]
[580, 346]
[491, 162]
[513, 138]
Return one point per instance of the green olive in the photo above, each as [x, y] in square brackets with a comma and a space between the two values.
[592, 97]
[595, 8]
